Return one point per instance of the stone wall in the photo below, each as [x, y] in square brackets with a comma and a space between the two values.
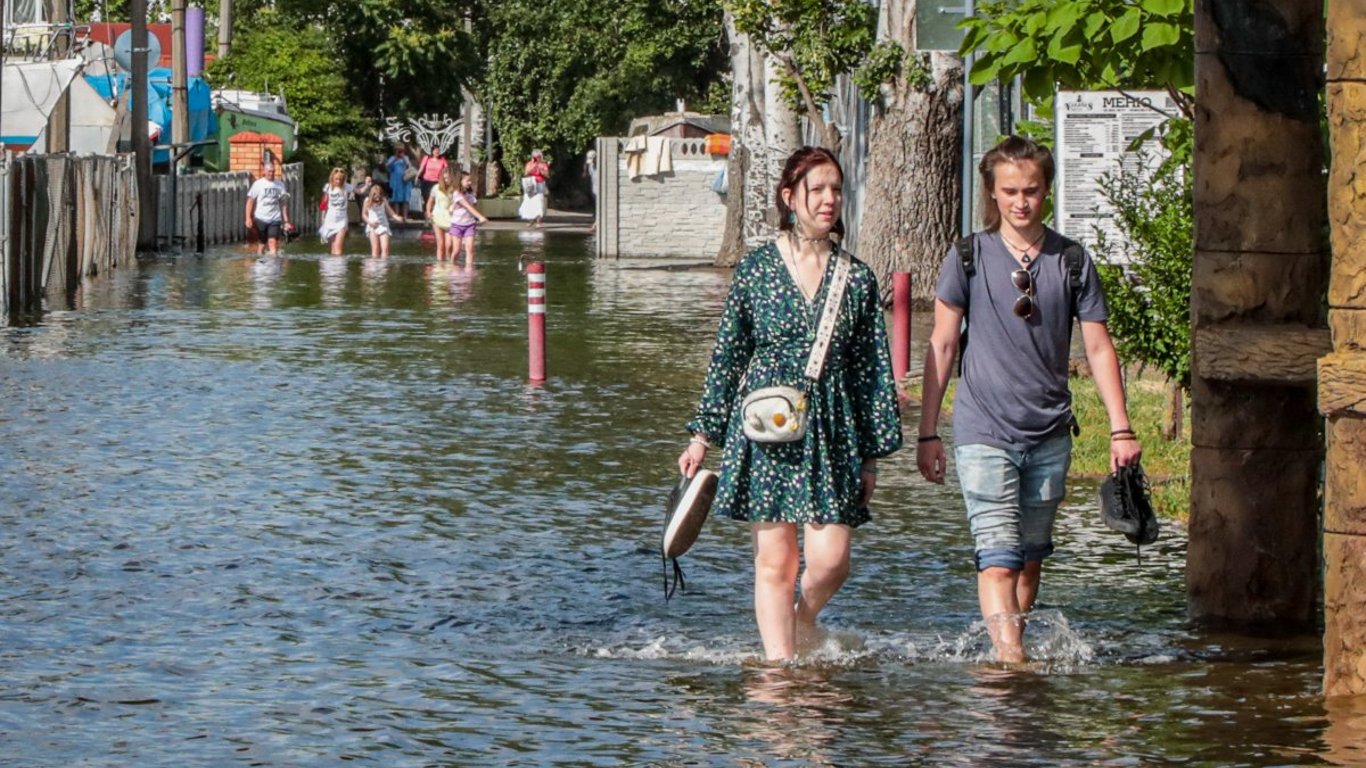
[674, 214]
[1342, 374]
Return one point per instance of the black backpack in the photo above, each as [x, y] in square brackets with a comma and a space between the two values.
[1072, 253]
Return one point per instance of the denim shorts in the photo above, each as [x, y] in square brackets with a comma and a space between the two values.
[1011, 498]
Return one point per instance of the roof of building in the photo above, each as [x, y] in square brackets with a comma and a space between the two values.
[653, 125]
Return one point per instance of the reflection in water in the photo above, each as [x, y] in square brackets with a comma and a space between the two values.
[332, 279]
[532, 247]
[449, 282]
[801, 715]
[255, 512]
[1345, 736]
[265, 274]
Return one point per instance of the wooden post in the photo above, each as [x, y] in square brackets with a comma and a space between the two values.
[1342, 374]
[180, 97]
[1258, 279]
[58, 134]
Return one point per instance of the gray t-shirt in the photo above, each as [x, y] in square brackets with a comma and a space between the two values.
[1013, 393]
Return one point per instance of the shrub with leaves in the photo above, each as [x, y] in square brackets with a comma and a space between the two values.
[1149, 297]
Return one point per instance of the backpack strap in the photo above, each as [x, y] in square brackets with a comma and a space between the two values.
[967, 253]
[965, 246]
[1072, 254]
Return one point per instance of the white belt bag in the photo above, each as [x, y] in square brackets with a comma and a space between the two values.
[779, 414]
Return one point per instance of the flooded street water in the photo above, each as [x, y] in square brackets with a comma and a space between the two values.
[307, 511]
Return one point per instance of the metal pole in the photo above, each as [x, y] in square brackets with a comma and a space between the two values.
[535, 314]
[968, 132]
[901, 324]
[224, 28]
[142, 149]
[180, 99]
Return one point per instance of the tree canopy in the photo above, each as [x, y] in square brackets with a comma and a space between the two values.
[816, 41]
[561, 72]
[301, 63]
[1084, 44]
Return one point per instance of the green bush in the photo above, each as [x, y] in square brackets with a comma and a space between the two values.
[1149, 297]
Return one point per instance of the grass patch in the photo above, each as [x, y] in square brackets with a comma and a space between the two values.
[1166, 462]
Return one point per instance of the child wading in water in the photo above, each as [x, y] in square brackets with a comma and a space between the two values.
[375, 213]
[465, 219]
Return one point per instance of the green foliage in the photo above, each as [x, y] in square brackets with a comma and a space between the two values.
[302, 64]
[817, 39]
[1149, 301]
[87, 10]
[1084, 44]
[886, 62]
[562, 72]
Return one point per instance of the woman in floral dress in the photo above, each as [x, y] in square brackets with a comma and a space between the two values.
[823, 483]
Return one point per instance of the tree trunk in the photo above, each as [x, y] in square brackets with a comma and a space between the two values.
[913, 187]
[764, 131]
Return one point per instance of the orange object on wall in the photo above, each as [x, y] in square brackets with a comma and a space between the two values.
[718, 143]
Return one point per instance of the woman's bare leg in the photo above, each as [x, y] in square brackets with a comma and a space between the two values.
[827, 568]
[776, 559]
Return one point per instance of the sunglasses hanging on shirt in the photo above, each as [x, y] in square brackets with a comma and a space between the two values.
[1024, 283]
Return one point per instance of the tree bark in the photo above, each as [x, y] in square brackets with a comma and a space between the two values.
[913, 187]
[764, 132]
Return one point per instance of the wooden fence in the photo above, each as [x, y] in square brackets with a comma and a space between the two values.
[220, 198]
[62, 218]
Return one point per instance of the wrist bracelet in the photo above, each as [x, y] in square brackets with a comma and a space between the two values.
[869, 468]
[927, 439]
[1123, 438]
[1126, 431]
[699, 441]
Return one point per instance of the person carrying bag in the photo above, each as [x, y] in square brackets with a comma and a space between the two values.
[801, 459]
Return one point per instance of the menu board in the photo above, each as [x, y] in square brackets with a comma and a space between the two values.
[1094, 131]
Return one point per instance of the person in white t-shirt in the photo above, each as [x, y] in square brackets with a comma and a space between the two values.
[266, 211]
[335, 196]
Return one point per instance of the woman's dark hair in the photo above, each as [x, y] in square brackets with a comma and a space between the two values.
[799, 164]
[1012, 149]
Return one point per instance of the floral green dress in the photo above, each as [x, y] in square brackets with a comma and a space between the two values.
[767, 328]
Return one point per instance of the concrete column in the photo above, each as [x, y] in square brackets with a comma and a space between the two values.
[609, 195]
[1258, 275]
[1342, 374]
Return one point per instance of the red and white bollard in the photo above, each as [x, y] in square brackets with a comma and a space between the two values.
[901, 324]
[535, 316]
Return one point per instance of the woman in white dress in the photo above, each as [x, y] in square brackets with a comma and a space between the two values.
[376, 213]
[336, 195]
[534, 176]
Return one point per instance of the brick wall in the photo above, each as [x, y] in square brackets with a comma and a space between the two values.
[676, 214]
[248, 152]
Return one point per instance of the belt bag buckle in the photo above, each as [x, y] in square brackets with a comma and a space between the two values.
[774, 415]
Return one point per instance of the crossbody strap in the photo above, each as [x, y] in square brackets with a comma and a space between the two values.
[826, 330]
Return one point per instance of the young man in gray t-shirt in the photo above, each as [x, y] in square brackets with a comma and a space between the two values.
[1012, 413]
